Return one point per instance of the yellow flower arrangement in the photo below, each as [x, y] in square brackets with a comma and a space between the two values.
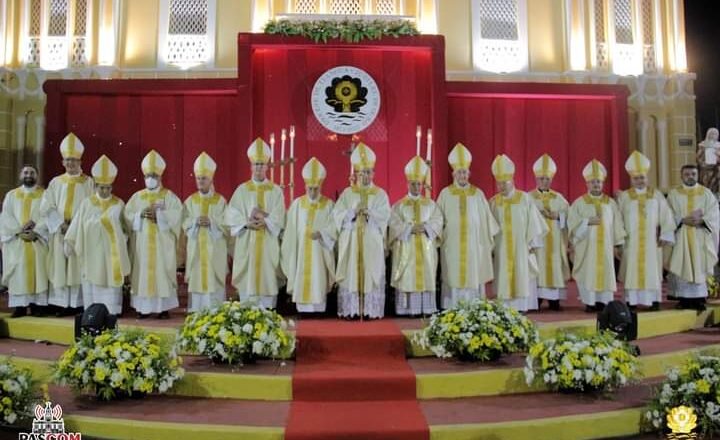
[18, 391]
[580, 363]
[236, 332]
[691, 391]
[119, 363]
[481, 330]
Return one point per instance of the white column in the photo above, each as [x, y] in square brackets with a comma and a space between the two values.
[20, 124]
[575, 34]
[108, 13]
[643, 128]
[663, 153]
[39, 145]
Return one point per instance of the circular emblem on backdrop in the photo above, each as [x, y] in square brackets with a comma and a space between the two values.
[345, 99]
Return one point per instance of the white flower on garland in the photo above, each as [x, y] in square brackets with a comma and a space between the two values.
[18, 390]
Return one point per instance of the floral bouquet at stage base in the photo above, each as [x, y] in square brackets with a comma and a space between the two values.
[236, 332]
[119, 363]
[581, 363]
[696, 385]
[18, 392]
[480, 330]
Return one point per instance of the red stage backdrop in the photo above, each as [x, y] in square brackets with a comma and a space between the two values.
[126, 118]
[573, 123]
[409, 72]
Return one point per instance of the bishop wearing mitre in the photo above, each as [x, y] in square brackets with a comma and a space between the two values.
[256, 217]
[60, 202]
[206, 264]
[521, 231]
[649, 225]
[596, 230]
[361, 216]
[96, 237]
[416, 225]
[468, 237]
[552, 260]
[154, 216]
[307, 251]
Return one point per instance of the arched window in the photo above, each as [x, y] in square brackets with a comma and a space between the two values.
[187, 33]
[56, 33]
[499, 30]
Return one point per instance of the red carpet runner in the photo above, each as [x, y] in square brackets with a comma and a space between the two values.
[352, 381]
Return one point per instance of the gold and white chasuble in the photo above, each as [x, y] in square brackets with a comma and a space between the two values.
[467, 243]
[153, 248]
[552, 260]
[60, 203]
[361, 251]
[206, 264]
[521, 229]
[647, 218]
[97, 238]
[309, 265]
[593, 263]
[694, 254]
[24, 262]
[256, 269]
[414, 256]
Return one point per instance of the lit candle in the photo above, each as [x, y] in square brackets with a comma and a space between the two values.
[272, 156]
[418, 135]
[428, 153]
[292, 142]
[283, 136]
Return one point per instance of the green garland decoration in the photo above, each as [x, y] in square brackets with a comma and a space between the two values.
[352, 31]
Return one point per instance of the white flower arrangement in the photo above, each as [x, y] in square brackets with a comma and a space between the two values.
[480, 330]
[18, 391]
[581, 363]
[235, 332]
[119, 363]
[694, 384]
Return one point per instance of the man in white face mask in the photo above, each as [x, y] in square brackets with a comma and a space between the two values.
[154, 216]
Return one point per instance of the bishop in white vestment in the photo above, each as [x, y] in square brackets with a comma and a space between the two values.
[206, 265]
[416, 225]
[308, 246]
[361, 215]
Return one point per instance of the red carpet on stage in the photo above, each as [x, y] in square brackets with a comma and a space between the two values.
[352, 381]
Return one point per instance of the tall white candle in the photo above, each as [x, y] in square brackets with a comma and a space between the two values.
[283, 137]
[272, 156]
[428, 153]
[418, 135]
[292, 142]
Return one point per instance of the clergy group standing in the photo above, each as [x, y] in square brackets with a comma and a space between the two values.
[77, 244]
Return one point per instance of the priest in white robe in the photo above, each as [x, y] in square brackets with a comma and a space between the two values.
[24, 238]
[694, 255]
[596, 231]
[256, 218]
[521, 232]
[361, 214]
[60, 202]
[649, 225]
[97, 238]
[553, 267]
[206, 265]
[308, 246]
[154, 216]
[416, 225]
[468, 237]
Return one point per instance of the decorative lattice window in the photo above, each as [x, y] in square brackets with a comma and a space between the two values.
[386, 7]
[600, 34]
[57, 33]
[498, 19]
[648, 36]
[500, 35]
[32, 57]
[306, 7]
[187, 32]
[346, 7]
[623, 16]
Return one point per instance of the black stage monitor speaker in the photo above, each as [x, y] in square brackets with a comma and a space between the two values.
[94, 320]
[618, 317]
